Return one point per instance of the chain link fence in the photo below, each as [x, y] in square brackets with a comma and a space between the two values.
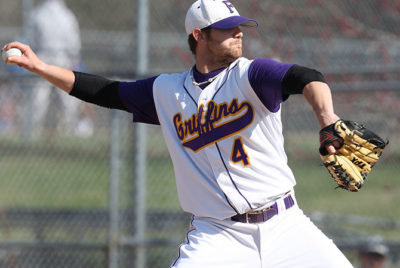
[99, 191]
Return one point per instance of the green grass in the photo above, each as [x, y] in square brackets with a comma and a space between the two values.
[46, 181]
[64, 174]
[73, 173]
[316, 191]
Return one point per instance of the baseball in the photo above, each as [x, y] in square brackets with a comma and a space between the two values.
[11, 52]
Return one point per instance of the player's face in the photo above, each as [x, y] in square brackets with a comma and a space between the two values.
[225, 45]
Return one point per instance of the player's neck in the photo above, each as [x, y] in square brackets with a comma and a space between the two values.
[205, 69]
[205, 65]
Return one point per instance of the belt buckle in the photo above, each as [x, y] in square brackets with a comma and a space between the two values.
[252, 213]
[258, 212]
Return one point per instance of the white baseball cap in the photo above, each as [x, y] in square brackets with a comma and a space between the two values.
[219, 14]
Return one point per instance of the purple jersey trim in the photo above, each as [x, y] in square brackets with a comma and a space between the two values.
[200, 77]
[138, 99]
[265, 76]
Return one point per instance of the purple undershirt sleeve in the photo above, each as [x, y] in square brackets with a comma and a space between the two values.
[265, 76]
[138, 98]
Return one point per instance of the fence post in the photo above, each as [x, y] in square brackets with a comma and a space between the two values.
[113, 231]
[140, 195]
[140, 131]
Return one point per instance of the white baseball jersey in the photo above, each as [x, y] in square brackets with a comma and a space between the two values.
[225, 139]
[226, 146]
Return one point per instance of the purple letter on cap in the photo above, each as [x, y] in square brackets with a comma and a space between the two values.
[229, 6]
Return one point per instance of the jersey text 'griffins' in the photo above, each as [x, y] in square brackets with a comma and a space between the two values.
[214, 123]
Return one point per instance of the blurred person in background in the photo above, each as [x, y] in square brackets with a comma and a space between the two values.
[374, 254]
[54, 33]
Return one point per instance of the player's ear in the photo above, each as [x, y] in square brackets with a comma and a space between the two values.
[198, 35]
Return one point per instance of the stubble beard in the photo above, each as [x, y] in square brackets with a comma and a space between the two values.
[229, 55]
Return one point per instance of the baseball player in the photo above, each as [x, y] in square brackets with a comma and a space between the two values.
[221, 121]
[54, 34]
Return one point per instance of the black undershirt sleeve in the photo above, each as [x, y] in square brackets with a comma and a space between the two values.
[97, 90]
[297, 77]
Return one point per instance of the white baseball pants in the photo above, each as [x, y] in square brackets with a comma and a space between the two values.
[287, 240]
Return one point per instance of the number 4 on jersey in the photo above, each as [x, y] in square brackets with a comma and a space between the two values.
[238, 153]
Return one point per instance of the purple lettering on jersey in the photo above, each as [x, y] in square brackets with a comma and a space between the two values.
[229, 6]
[219, 122]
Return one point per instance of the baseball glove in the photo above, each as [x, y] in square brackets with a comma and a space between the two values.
[359, 150]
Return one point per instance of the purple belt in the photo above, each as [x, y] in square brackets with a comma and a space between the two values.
[264, 214]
